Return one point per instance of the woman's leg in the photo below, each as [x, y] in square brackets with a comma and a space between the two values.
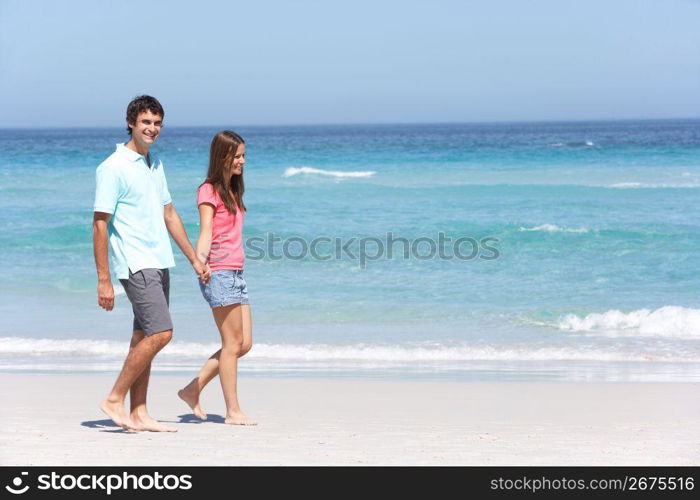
[230, 322]
[190, 394]
[247, 317]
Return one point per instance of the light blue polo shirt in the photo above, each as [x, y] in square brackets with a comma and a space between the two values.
[135, 194]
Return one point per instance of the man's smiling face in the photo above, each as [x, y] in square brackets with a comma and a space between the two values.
[146, 128]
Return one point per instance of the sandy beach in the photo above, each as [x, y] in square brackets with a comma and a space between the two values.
[54, 420]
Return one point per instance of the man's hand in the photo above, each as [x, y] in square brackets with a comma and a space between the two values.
[202, 270]
[105, 295]
[207, 274]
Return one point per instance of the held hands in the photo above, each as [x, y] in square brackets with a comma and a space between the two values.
[105, 295]
[206, 276]
[202, 270]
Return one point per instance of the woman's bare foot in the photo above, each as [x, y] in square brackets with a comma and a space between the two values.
[144, 422]
[115, 411]
[192, 399]
[239, 418]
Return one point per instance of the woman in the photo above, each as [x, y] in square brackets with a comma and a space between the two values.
[220, 244]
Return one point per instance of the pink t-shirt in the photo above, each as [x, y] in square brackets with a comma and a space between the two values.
[227, 232]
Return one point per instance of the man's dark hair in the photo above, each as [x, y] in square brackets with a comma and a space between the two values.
[139, 105]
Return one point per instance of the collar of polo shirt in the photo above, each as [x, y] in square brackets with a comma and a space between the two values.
[131, 154]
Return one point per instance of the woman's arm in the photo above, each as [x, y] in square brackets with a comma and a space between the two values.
[206, 218]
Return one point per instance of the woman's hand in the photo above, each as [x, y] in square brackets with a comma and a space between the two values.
[206, 275]
[198, 267]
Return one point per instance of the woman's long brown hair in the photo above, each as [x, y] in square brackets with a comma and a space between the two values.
[230, 187]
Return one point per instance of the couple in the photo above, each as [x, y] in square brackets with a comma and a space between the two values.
[134, 212]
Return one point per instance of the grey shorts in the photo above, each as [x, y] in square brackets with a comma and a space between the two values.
[149, 293]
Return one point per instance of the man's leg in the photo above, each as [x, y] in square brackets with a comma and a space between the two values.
[148, 292]
[139, 388]
[138, 359]
[139, 416]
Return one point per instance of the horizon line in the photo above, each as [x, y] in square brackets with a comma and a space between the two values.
[350, 124]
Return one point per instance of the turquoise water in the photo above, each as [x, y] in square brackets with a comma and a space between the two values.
[596, 227]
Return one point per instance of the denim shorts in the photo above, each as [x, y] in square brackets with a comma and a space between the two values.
[226, 287]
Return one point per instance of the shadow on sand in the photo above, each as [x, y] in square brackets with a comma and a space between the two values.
[105, 425]
[191, 418]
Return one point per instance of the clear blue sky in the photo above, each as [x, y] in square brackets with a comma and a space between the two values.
[78, 63]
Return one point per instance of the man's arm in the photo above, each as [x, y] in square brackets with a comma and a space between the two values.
[100, 241]
[177, 230]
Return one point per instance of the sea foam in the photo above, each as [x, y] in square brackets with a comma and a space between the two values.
[292, 171]
[190, 354]
[573, 143]
[667, 321]
[640, 185]
[553, 228]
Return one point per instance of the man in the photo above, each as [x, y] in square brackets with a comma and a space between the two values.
[134, 211]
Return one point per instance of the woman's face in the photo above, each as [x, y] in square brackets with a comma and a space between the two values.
[237, 161]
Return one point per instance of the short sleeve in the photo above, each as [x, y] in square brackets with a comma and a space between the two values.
[165, 197]
[206, 194]
[107, 189]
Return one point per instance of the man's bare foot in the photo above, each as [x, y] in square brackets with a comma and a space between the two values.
[144, 422]
[115, 411]
[192, 400]
[238, 418]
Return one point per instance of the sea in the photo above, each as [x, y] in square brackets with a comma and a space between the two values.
[547, 251]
